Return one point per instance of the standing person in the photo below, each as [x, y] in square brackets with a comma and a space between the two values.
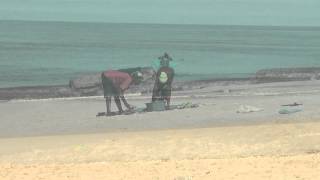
[115, 83]
[164, 78]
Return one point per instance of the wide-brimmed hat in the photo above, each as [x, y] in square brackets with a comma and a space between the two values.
[165, 56]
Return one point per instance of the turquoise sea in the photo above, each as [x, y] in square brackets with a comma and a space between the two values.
[51, 53]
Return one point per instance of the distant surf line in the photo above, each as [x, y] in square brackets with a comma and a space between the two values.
[139, 96]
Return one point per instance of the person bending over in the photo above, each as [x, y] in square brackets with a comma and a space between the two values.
[115, 83]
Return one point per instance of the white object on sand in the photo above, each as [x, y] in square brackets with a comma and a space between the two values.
[248, 109]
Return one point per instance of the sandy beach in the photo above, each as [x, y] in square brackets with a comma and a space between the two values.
[63, 138]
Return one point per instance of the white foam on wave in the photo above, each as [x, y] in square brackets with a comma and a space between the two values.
[139, 96]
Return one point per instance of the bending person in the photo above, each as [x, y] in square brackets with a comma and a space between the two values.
[115, 83]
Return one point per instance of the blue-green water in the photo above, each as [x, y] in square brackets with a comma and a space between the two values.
[50, 53]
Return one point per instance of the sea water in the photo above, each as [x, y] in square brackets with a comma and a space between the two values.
[51, 53]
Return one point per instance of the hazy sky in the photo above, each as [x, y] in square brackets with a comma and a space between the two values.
[243, 12]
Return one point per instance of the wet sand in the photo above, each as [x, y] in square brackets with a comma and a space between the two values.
[218, 107]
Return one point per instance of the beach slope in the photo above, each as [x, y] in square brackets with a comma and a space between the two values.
[62, 138]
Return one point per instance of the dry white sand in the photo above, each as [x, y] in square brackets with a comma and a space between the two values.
[270, 151]
[209, 142]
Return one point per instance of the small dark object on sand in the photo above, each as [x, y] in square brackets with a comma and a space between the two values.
[129, 112]
[105, 114]
[156, 106]
[101, 114]
[294, 104]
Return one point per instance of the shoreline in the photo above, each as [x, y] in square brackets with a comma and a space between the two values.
[219, 88]
[89, 85]
[181, 89]
[64, 91]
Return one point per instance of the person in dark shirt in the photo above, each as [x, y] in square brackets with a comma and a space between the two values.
[115, 83]
[164, 78]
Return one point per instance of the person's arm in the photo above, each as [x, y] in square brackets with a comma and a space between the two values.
[127, 80]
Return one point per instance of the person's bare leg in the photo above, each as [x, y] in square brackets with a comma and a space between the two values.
[168, 102]
[155, 93]
[118, 103]
[125, 102]
[167, 97]
[108, 105]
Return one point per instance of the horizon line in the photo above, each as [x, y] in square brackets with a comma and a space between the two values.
[148, 23]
